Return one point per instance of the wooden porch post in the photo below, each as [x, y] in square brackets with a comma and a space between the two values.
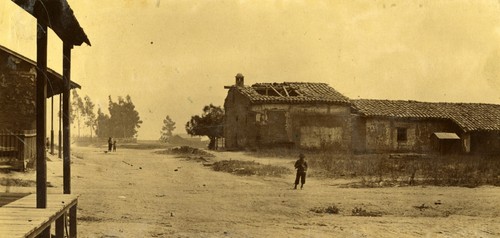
[66, 116]
[52, 125]
[60, 226]
[72, 222]
[41, 113]
[60, 133]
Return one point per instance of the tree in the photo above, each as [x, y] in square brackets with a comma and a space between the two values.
[167, 129]
[124, 120]
[77, 109]
[210, 123]
[102, 125]
[90, 117]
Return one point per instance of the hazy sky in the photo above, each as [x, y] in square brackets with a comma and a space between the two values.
[174, 57]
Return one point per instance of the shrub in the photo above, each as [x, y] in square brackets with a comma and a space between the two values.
[186, 151]
[358, 211]
[330, 209]
[379, 170]
[386, 170]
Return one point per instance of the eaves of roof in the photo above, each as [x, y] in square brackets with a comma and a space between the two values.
[468, 116]
[55, 80]
[58, 15]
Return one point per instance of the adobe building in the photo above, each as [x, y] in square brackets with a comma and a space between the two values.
[305, 115]
[316, 116]
[411, 126]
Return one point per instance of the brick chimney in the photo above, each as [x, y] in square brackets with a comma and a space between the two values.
[240, 80]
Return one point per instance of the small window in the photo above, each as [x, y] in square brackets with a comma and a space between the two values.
[402, 135]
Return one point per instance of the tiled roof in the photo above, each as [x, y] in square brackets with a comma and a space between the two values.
[469, 116]
[299, 93]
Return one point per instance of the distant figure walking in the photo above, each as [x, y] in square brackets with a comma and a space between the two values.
[47, 144]
[114, 146]
[110, 144]
[301, 166]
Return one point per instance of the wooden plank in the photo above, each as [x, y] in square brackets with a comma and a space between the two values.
[20, 212]
[22, 219]
[53, 197]
[8, 149]
[276, 91]
[30, 205]
[19, 219]
[27, 230]
[40, 220]
[6, 198]
[55, 201]
[30, 214]
[15, 233]
[288, 95]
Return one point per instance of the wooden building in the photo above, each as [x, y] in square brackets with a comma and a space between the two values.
[17, 113]
[32, 215]
[302, 115]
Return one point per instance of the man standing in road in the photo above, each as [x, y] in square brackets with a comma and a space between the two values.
[110, 144]
[301, 167]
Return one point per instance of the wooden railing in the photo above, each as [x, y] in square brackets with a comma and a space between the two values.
[21, 218]
[17, 149]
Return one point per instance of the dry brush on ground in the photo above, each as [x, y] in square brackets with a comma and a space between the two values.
[381, 170]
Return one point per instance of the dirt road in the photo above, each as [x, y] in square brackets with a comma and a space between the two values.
[138, 193]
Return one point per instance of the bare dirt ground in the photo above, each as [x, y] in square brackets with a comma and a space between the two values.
[139, 193]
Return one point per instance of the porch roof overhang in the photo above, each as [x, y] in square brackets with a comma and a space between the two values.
[55, 83]
[446, 136]
[58, 15]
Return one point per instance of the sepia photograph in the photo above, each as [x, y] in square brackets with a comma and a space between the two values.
[239, 118]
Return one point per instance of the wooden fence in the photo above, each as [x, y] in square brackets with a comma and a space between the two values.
[17, 149]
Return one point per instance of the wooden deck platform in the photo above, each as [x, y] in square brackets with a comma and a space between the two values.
[19, 217]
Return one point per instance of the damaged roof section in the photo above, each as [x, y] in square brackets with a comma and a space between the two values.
[58, 15]
[290, 92]
[469, 116]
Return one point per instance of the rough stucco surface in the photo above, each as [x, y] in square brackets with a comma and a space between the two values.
[297, 125]
[317, 137]
[381, 134]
